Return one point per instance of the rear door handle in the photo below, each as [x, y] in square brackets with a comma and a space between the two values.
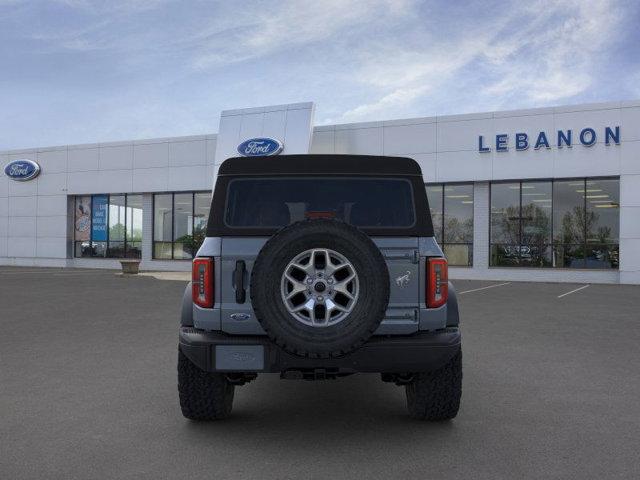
[413, 256]
[238, 281]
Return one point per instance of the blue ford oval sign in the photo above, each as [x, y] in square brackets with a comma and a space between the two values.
[258, 147]
[22, 170]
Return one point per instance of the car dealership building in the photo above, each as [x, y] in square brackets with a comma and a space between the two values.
[548, 194]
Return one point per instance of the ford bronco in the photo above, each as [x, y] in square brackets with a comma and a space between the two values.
[315, 267]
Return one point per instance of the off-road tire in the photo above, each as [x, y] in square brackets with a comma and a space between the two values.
[203, 395]
[436, 395]
[334, 340]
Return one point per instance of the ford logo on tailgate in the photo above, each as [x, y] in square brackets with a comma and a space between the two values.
[258, 147]
[22, 170]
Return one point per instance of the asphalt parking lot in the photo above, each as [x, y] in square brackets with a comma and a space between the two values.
[551, 389]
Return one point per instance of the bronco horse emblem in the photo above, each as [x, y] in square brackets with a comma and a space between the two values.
[403, 280]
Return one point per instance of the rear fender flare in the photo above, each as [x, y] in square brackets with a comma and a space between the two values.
[453, 316]
[186, 313]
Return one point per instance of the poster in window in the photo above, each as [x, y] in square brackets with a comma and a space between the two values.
[83, 219]
[99, 218]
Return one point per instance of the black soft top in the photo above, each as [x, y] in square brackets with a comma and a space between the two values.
[320, 164]
[325, 165]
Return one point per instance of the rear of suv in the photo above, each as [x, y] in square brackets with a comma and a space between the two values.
[315, 267]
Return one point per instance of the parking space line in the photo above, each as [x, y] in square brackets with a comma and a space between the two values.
[76, 274]
[56, 273]
[33, 272]
[484, 288]
[573, 291]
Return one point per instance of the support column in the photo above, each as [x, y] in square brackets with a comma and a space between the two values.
[147, 227]
[481, 216]
[629, 229]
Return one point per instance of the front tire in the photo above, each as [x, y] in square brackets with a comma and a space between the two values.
[203, 395]
[435, 396]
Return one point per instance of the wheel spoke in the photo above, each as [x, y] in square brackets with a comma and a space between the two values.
[293, 280]
[308, 306]
[331, 306]
[311, 275]
[307, 269]
[297, 288]
[331, 268]
[311, 309]
[342, 286]
[344, 291]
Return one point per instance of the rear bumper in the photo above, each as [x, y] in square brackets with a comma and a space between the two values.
[218, 352]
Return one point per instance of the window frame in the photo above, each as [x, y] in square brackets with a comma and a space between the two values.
[125, 241]
[553, 243]
[173, 215]
[442, 214]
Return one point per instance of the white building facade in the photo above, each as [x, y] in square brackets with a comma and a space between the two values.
[550, 194]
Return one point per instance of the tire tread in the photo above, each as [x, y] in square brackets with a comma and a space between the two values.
[203, 395]
[435, 396]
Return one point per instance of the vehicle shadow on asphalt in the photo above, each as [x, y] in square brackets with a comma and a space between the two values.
[357, 404]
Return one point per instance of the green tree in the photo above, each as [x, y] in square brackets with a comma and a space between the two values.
[116, 232]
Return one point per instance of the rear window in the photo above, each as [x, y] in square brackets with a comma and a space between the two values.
[276, 202]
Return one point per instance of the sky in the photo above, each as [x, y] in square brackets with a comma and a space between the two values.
[80, 71]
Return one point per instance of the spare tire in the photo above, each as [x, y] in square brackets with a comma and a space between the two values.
[320, 288]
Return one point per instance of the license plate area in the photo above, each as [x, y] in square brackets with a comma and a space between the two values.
[244, 358]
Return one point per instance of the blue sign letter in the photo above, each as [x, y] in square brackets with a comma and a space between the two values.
[501, 142]
[522, 141]
[481, 148]
[610, 135]
[564, 138]
[583, 137]
[542, 141]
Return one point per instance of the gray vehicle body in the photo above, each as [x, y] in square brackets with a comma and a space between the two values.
[406, 313]
[410, 338]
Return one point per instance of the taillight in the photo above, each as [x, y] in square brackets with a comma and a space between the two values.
[437, 282]
[202, 282]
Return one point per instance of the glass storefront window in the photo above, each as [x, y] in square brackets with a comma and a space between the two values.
[536, 222]
[162, 225]
[201, 205]
[569, 223]
[108, 226]
[134, 226]
[117, 220]
[434, 195]
[180, 223]
[451, 207]
[603, 223]
[564, 223]
[505, 224]
[183, 225]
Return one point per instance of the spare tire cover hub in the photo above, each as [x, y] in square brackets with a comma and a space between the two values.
[319, 287]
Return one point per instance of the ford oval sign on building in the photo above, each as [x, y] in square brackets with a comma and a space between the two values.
[259, 147]
[22, 170]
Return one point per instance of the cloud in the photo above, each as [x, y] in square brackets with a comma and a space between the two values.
[555, 63]
[285, 26]
[407, 76]
[397, 98]
[542, 53]
[125, 69]
[101, 8]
